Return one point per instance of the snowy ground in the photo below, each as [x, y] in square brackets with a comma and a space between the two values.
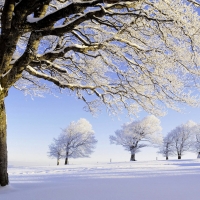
[150, 180]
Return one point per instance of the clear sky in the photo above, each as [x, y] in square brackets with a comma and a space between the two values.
[32, 124]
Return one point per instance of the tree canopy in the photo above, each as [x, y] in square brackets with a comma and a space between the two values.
[130, 54]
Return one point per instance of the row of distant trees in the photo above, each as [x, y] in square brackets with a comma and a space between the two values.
[147, 132]
[78, 139]
[183, 138]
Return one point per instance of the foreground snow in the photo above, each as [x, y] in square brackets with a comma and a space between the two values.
[150, 180]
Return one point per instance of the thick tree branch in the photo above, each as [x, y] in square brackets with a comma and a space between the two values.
[195, 3]
[29, 54]
[6, 17]
[72, 8]
[52, 55]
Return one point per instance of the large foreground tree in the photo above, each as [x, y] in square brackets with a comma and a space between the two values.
[132, 55]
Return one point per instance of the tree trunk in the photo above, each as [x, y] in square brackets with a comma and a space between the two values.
[179, 156]
[132, 157]
[198, 155]
[66, 161]
[58, 162]
[166, 157]
[66, 158]
[3, 146]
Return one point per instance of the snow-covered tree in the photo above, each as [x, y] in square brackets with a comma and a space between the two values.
[166, 149]
[56, 150]
[196, 143]
[183, 138]
[138, 134]
[77, 140]
[133, 55]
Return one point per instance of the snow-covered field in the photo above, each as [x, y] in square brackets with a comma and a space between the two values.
[150, 180]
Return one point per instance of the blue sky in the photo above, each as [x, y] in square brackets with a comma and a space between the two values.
[32, 124]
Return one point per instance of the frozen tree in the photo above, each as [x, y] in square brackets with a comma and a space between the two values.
[166, 149]
[133, 55]
[196, 143]
[138, 134]
[183, 138]
[56, 150]
[77, 140]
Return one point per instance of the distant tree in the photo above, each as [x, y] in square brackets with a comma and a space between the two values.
[166, 149]
[76, 141]
[183, 138]
[138, 134]
[56, 150]
[196, 144]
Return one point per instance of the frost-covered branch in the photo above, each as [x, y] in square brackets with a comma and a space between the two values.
[196, 3]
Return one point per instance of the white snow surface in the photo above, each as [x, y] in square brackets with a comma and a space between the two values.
[145, 180]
